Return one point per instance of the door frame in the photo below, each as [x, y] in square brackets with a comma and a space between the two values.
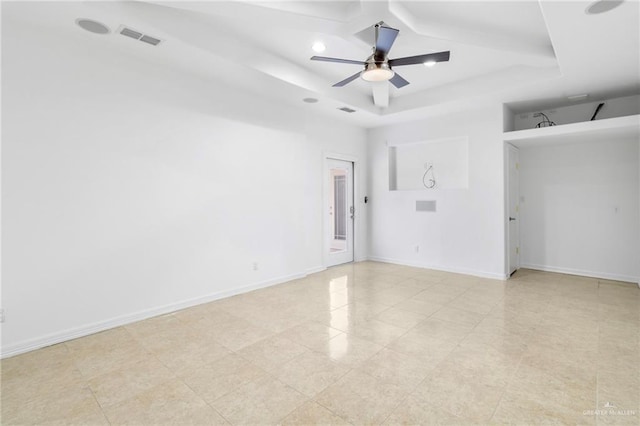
[326, 226]
[507, 204]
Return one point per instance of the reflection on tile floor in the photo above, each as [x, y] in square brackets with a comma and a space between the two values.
[364, 343]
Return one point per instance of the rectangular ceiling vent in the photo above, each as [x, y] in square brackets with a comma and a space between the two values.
[347, 109]
[150, 40]
[128, 32]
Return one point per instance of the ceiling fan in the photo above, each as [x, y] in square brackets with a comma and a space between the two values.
[378, 67]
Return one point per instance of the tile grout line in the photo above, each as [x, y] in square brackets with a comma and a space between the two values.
[204, 400]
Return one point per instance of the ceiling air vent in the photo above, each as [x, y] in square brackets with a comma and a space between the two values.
[347, 109]
[150, 40]
[128, 32]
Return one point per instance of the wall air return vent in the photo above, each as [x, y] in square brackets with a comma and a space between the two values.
[128, 32]
[347, 109]
[425, 205]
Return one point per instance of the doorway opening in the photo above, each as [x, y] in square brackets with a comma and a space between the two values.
[341, 212]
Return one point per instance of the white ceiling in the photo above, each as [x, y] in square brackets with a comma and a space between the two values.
[517, 52]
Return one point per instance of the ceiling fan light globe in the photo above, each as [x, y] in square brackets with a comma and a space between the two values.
[377, 75]
[377, 72]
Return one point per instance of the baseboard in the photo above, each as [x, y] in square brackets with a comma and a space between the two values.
[582, 272]
[465, 271]
[74, 333]
[316, 270]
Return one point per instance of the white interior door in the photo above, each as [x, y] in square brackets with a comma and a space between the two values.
[340, 211]
[513, 203]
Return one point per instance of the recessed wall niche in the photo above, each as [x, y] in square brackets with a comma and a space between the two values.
[429, 165]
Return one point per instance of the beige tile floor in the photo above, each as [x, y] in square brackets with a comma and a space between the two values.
[365, 343]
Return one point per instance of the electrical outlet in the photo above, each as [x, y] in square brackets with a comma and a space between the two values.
[255, 266]
[1, 314]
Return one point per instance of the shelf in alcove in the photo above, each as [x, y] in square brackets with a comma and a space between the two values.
[618, 127]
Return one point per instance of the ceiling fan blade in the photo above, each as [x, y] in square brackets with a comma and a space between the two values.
[420, 59]
[398, 81]
[385, 37]
[347, 80]
[342, 61]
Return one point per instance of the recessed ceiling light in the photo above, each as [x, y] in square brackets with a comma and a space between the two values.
[92, 26]
[429, 63]
[310, 100]
[318, 46]
[602, 6]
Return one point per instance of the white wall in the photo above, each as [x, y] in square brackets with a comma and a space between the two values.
[448, 160]
[130, 189]
[466, 233]
[579, 208]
